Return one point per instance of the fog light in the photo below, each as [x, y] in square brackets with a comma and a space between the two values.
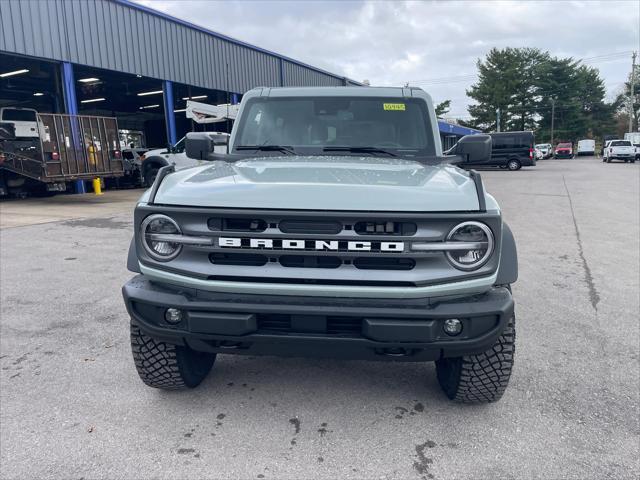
[452, 326]
[173, 315]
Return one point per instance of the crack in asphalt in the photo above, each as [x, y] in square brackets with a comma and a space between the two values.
[594, 296]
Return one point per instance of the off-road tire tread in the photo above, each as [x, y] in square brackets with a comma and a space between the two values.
[167, 366]
[156, 362]
[482, 378]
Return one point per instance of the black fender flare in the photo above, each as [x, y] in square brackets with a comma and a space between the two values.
[508, 269]
[148, 162]
[132, 257]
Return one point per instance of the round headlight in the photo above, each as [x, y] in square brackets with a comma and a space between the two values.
[152, 229]
[476, 245]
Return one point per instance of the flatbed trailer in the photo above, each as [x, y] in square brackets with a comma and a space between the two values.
[67, 148]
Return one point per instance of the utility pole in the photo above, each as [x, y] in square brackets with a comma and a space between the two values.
[553, 115]
[632, 93]
[498, 119]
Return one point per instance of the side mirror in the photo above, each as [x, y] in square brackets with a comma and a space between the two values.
[199, 145]
[473, 148]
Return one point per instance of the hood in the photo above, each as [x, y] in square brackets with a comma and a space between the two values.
[322, 183]
[156, 151]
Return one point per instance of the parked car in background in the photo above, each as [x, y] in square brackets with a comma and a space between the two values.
[563, 150]
[605, 139]
[132, 162]
[586, 147]
[539, 154]
[511, 150]
[619, 150]
[155, 159]
[546, 149]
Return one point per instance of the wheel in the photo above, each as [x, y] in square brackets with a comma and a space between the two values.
[514, 165]
[479, 378]
[150, 175]
[167, 366]
[608, 160]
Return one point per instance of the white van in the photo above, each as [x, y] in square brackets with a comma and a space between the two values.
[586, 147]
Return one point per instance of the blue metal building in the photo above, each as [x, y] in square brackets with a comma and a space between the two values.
[121, 59]
[129, 51]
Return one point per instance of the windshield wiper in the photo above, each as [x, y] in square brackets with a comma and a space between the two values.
[372, 150]
[267, 148]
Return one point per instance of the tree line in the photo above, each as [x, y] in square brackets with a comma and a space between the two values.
[533, 90]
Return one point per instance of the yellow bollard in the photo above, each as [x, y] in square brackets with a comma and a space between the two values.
[97, 187]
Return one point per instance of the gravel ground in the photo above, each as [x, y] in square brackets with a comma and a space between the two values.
[72, 406]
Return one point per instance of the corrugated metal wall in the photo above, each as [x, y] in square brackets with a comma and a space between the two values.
[116, 36]
[297, 76]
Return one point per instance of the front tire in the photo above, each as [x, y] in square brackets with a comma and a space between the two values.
[167, 366]
[480, 378]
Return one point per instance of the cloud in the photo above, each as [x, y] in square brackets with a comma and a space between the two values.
[391, 43]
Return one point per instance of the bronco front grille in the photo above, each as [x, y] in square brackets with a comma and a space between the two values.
[319, 248]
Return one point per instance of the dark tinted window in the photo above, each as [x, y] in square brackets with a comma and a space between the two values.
[389, 123]
[19, 115]
[621, 143]
[506, 141]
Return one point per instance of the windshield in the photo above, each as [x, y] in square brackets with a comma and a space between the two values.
[621, 143]
[321, 124]
[564, 145]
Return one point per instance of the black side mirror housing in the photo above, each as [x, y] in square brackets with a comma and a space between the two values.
[200, 145]
[473, 148]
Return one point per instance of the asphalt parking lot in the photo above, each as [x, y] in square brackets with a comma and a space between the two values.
[72, 406]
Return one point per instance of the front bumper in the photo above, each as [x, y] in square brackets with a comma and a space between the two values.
[375, 329]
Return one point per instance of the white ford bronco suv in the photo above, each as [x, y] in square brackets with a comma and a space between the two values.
[334, 227]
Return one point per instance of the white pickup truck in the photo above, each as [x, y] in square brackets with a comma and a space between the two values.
[201, 113]
[26, 123]
[619, 150]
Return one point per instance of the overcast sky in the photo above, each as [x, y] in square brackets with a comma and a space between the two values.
[429, 44]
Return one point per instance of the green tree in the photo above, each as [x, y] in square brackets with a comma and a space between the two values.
[507, 81]
[443, 108]
[526, 84]
[578, 93]
[622, 104]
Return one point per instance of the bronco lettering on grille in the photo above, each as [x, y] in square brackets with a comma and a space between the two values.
[319, 245]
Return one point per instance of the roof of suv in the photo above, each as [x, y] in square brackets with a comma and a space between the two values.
[393, 92]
